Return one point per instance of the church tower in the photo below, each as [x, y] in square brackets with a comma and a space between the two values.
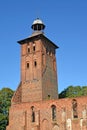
[38, 67]
[30, 108]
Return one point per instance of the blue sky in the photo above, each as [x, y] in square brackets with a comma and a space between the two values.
[66, 26]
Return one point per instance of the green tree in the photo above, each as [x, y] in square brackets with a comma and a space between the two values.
[5, 102]
[73, 91]
[84, 90]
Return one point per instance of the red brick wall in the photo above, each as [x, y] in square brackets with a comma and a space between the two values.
[20, 115]
[38, 71]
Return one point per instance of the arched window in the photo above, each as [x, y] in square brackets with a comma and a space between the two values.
[53, 107]
[33, 114]
[74, 108]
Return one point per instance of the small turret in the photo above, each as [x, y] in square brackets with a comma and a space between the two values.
[38, 25]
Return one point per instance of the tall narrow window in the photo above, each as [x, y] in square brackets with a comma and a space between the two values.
[35, 63]
[33, 114]
[28, 49]
[49, 97]
[27, 65]
[53, 112]
[34, 47]
[74, 107]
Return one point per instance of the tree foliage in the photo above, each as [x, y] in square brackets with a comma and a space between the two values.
[73, 91]
[5, 102]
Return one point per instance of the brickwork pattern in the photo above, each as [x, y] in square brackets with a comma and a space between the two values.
[38, 71]
[20, 116]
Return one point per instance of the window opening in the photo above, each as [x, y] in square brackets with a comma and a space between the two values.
[28, 49]
[53, 112]
[74, 107]
[34, 48]
[48, 96]
[33, 114]
[35, 63]
[27, 65]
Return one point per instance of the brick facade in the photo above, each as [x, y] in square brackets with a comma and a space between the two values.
[21, 115]
[35, 104]
[38, 70]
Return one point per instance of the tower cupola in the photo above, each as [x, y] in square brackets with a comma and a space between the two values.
[38, 25]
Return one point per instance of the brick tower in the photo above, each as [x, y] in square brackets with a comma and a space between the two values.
[38, 67]
[35, 104]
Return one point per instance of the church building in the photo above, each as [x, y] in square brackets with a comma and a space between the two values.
[35, 104]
